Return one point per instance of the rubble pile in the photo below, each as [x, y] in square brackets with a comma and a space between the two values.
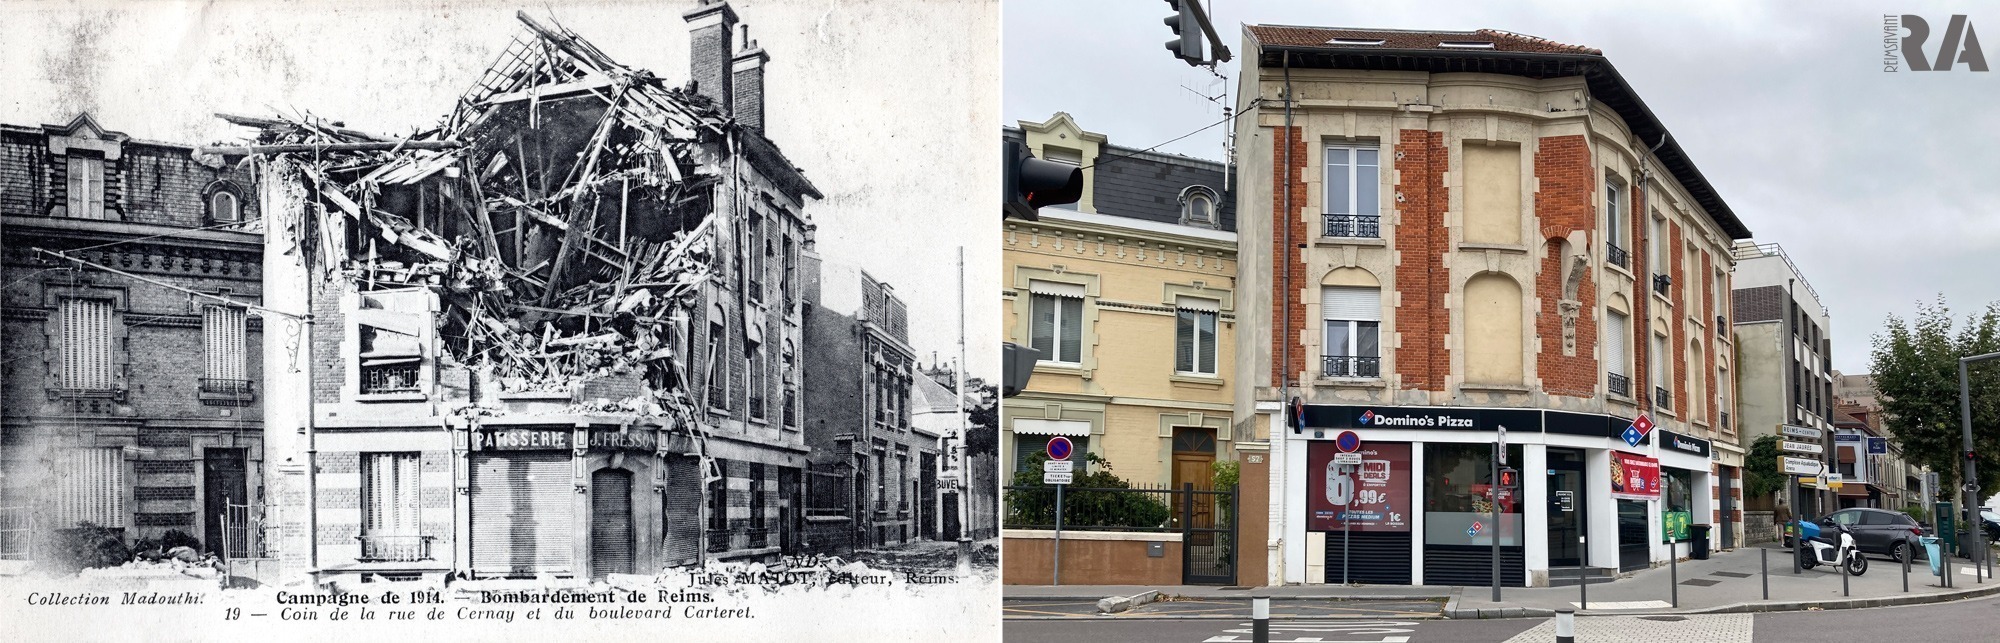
[564, 213]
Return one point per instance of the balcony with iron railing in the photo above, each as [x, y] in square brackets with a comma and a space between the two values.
[1617, 256]
[401, 548]
[757, 537]
[397, 376]
[226, 391]
[791, 408]
[1353, 226]
[1723, 423]
[1350, 366]
[1662, 398]
[757, 406]
[1661, 283]
[718, 541]
[1618, 384]
[1721, 325]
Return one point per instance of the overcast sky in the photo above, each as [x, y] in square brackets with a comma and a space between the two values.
[901, 144]
[1880, 186]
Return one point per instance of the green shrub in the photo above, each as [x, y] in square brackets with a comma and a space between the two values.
[1036, 506]
[1916, 511]
[88, 545]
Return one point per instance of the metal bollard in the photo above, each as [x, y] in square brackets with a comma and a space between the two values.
[1843, 572]
[1565, 625]
[1674, 574]
[1260, 619]
[1764, 569]
[1907, 555]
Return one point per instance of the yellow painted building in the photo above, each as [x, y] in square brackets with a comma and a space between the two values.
[1130, 295]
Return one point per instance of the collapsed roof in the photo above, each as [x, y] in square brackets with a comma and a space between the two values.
[565, 211]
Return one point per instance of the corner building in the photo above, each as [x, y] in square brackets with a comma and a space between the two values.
[1447, 233]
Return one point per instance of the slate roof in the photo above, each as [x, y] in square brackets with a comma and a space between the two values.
[1408, 39]
[1147, 186]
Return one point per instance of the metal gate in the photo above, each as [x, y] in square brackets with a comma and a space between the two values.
[521, 513]
[1208, 535]
[242, 532]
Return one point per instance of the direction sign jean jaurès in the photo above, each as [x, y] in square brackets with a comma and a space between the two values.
[1800, 447]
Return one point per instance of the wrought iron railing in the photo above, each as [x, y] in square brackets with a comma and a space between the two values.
[718, 393]
[1663, 398]
[1350, 366]
[395, 548]
[718, 541]
[1721, 325]
[791, 407]
[758, 537]
[214, 386]
[1617, 256]
[1366, 226]
[757, 406]
[391, 378]
[1724, 417]
[1661, 283]
[242, 531]
[1619, 384]
[17, 526]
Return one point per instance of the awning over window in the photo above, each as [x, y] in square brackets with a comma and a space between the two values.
[1198, 303]
[1070, 428]
[1055, 288]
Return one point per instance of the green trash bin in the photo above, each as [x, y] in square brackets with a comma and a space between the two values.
[1698, 541]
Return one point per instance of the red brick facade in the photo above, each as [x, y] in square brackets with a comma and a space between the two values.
[1677, 336]
[1642, 302]
[1565, 204]
[1708, 343]
[1287, 259]
[1421, 279]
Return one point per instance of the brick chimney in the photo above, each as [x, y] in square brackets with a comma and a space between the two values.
[709, 29]
[748, 84]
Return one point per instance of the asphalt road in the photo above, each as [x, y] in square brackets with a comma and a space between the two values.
[1973, 620]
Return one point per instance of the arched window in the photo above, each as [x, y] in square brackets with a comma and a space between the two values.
[1198, 206]
[223, 205]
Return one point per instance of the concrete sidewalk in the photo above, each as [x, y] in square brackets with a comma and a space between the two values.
[1727, 582]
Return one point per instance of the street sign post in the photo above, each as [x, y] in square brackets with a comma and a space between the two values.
[1059, 475]
[1806, 432]
[1500, 438]
[1800, 466]
[1347, 458]
[1800, 447]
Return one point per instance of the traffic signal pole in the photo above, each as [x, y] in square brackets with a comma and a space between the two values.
[1973, 523]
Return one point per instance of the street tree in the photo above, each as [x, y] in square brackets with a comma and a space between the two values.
[1916, 373]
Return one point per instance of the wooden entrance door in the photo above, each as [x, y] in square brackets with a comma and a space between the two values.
[1194, 463]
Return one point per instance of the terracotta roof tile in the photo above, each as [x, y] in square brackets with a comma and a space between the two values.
[1402, 39]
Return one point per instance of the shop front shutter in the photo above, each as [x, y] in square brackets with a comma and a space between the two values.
[682, 544]
[522, 518]
[610, 522]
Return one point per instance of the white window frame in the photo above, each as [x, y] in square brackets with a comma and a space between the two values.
[1188, 320]
[404, 512]
[215, 211]
[1353, 324]
[1614, 213]
[90, 203]
[1054, 354]
[1352, 161]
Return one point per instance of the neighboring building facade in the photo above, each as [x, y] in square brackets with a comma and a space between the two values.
[874, 474]
[1131, 298]
[1784, 347]
[662, 428]
[1870, 462]
[1447, 233]
[130, 402]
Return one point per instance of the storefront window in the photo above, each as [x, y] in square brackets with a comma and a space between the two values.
[1678, 508]
[1457, 503]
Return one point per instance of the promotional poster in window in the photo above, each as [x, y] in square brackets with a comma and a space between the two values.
[1634, 477]
[1371, 496]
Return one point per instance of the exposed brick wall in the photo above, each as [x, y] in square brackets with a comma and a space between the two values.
[1565, 204]
[1642, 302]
[710, 51]
[1421, 239]
[1287, 259]
[1708, 356]
[329, 364]
[22, 169]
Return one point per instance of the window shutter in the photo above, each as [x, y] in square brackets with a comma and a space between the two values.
[1617, 333]
[1350, 303]
[225, 342]
[76, 188]
[90, 487]
[1184, 322]
[87, 344]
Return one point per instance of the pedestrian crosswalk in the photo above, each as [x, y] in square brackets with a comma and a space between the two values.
[1708, 628]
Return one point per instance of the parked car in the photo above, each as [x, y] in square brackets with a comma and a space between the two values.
[1991, 521]
[1880, 531]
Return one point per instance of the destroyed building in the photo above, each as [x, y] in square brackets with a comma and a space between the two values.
[874, 474]
[129, 398]
[556, 335]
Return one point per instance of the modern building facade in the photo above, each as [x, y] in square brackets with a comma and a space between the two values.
[874, 472]
[1131, 299]
[129, 276]
[1448, 234]
[1784, 347]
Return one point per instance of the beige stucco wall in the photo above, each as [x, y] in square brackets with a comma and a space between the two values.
[1493, 194]
[1126, 384]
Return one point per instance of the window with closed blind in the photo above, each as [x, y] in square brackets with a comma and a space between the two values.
[1194, 337]
[1352, 318]
[224, 349]
[88, 486]
[87, 344]
[1057, 322]
[389, 496]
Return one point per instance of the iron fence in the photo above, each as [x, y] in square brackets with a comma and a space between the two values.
[1617, 256]
[17, 528]
[394, 548]
[390, 378]
[1663, 397]
[1619, 384]
[215, 386]
[243, 532]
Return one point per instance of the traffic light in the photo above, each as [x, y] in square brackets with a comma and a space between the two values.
[1187, 42]
[1509, 478]
[1017, 366]
[1033, 183]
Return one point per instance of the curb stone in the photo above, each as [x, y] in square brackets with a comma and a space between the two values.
[1453, 612]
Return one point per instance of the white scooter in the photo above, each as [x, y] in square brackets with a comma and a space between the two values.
[1835, 549]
